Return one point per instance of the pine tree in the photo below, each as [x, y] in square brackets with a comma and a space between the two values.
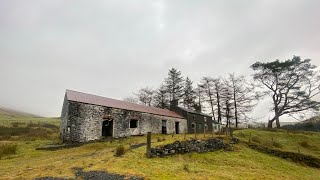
[174, 84]
[188, 93]
[161, 99]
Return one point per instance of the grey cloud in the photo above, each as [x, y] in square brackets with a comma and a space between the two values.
[112, 48]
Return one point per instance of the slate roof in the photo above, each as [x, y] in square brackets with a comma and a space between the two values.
[108, 102]
[192, 111]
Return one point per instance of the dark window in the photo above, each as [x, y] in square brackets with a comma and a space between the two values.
[194, 118]
[193, 125]
[133, 123]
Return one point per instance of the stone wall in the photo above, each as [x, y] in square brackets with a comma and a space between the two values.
[178, 147]
[83, 122]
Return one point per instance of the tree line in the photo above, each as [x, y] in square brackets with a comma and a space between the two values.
[291, 84]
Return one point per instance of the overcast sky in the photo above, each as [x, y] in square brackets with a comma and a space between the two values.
[111, 48]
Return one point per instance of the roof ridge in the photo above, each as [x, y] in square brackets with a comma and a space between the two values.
[122, 104]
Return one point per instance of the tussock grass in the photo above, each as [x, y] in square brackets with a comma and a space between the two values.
[120, 151]
[7, 149]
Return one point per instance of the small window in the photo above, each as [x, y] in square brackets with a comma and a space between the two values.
[193, 125]
[133, 123]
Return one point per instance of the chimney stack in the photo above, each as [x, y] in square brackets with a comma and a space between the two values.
[173, 104]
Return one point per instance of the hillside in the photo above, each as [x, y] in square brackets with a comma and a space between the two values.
[312, 124]
[6, 112]
[242, 163]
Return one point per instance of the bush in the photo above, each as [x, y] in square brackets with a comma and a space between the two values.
[50, 126]
[7, 149]
[186, 167]
[256, 139]
[17, 124]
[120, 150]
[277, 144]
[305, 144]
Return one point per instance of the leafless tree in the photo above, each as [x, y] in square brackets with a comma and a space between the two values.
[244, 96]
[145, 96]
[206, 85]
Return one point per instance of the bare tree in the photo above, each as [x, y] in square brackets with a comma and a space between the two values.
[226, 100]
[244, 96]
[131, 99]
[292, 85]
[218, 88]
[145, 96]
[206, 85]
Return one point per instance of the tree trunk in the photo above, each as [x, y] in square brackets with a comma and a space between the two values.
[211, 103]
[219, 107]
[270, 123]
[235, 108]
[278, 122]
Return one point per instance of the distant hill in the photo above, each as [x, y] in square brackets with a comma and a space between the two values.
[15, 113]
[312, 124]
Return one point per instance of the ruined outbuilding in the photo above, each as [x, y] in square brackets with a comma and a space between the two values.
[87, 117]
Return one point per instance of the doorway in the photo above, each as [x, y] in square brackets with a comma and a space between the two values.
[177, 128]
[107, 128]
[164, 127]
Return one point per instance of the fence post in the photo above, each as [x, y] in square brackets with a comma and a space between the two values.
[149, 145]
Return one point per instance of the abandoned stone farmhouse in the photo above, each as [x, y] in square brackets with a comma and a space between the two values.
[87, 117]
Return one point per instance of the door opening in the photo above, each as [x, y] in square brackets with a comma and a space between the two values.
[177, 128]
[164, 127]
[107, 128]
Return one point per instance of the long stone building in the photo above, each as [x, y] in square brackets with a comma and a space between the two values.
[87, 117]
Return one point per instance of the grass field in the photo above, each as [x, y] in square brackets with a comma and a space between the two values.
[243, 163]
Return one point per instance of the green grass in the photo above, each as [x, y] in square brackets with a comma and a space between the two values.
[8, 120]
[303, 142]
[243, 163]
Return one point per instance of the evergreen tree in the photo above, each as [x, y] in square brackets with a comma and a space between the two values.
[174, 84]
[161, 99]
[188, 94]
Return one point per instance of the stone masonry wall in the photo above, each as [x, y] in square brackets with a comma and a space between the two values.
[83, 122]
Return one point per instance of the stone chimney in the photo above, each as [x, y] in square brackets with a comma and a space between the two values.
[197, 108]
[173, 104]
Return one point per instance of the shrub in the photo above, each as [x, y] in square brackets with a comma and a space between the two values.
[17, 124]
[186, 167]
[120, 150]
[7, 149]
[33, 125]
[277, 144]
[256, 139]
[50, 126]
[305, 144]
